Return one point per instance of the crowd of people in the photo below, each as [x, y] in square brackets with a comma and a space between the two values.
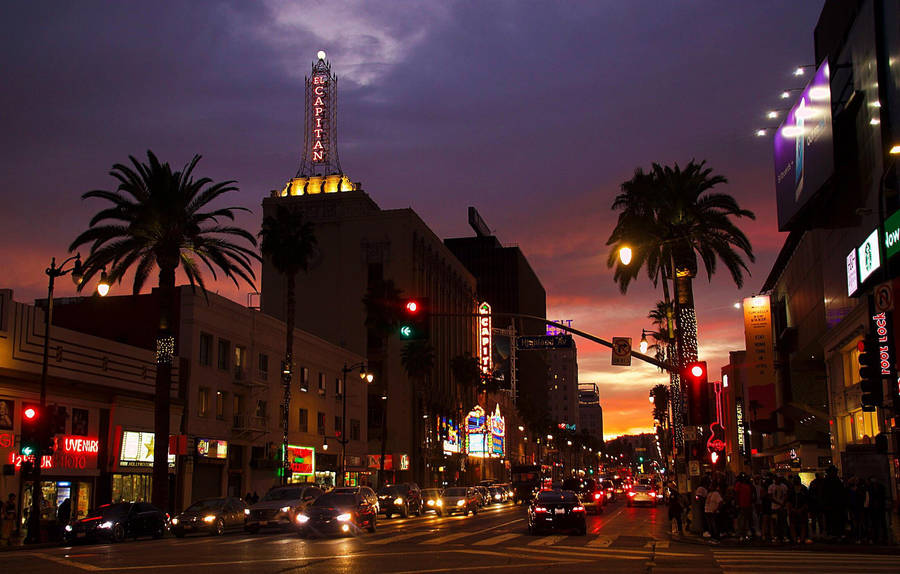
[781, 509]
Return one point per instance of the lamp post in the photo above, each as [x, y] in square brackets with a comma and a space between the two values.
[54, 271]
[366, 376]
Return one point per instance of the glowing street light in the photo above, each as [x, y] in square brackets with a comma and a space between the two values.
[625, 255]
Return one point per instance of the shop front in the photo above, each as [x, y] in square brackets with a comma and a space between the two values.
[132, 476]
[326, 469]
[209, 466]
[302, 460]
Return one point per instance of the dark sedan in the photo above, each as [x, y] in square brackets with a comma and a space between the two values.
[341, 513]
[116, 522]
[212, 515]
[556, 510]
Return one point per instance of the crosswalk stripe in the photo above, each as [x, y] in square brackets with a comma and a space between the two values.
[396, 538]
[496, 539]
[601, 542]
[546, 541]
[447, 538]
[657, 544]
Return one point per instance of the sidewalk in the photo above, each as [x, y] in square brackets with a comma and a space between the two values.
[817, 546]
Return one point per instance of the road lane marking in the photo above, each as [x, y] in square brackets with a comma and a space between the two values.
[557, 551]
[447, 538]
[283, 541]
[396, 538]
[601, 541]
[71, 563]
[241, 541]
[497, 526]
[547, 540]
[496, 539]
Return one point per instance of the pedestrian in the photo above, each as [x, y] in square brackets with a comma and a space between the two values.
[712, 507]
[834, 503]
[675, 510]
[766, 527]
[778, 492]
[745, 495]
[255, 497]
[8, 515]
[248, 498]
[697, 508]
[878, 509]
[816, 504]
[798, 504]
[64, 512]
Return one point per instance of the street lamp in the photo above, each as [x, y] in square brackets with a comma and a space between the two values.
[644, 345]
[52, 272]
[625, 255]
[652, 398]
[365, 376]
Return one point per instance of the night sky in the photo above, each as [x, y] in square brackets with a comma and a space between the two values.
[532, 112]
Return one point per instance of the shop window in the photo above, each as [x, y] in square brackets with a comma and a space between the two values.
[262, 366]
[203, 402]
[220, 405]
[320, 423]
[131, 487]
[224, 351]
[303, 418]
[206, 342]
[850, 360]
[80, 422]
[354, 429]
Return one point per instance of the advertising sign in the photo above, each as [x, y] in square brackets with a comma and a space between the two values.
[804, 158]
[485, 436]
[484, 338]
[72, 453]
[137, 449]
[868, 257]
[211, 448]
[450, 434]
[302, 459]
[852, 274]
[760, 354]
[892, 235]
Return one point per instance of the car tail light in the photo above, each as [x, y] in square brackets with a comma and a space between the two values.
[597, 496]
[540, 509]
[578, 509]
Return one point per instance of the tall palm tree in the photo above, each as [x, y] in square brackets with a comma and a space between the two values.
[159, 218]
[417, 358]
[289, 241]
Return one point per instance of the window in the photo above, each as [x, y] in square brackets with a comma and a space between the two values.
[338, 386]
[322, 384]
[224, 350]
[238, 405]
[304, 379]
[320, 423]
[263, 366]
[206, 342]
[203, 402]
[220, 405]
[261, 408]
[354, 429]
[240, 358]
[79, 422]
[851, 366]
[303, 419]
[338, 427]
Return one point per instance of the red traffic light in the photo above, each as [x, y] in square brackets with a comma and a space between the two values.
[412, 306]
[30, 413]
[697, 371]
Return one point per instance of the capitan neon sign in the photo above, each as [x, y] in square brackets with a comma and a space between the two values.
[320, 117]
[484, 338]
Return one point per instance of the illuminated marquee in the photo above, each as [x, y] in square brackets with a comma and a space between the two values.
[484, 338]
[320, 119]
[485, 436]
[71, 453]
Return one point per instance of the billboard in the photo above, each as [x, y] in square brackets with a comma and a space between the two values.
[804, 155]
[302, 459]
[760, 356]
[137, 449]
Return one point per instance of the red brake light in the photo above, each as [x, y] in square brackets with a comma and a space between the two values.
[540, 509]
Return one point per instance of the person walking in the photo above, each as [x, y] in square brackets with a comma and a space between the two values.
[834, 504]
[744, 494]
[798, 512]
[712, 506]
[697, 508]
[8, 513]
[816, 505]
[675, 510]
[778, 492]
[878, 509]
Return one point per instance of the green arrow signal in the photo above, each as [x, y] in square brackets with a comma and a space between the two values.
[406, 331]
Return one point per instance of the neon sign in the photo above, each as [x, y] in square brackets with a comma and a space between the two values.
[320, 116]
[302, 459]
[80, 445]
[485, 435]
[450, 432]
[72, 453]
[484, 338]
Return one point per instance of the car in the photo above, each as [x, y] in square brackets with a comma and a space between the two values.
[484, 498]
[459, 500]
[433, 502]
[642, 494]
[526, 480]
[498, 495]
[280, 506]
[211, 515]
[118, 521]
[404, 499]
[340, 512]
[556, 510]
[610, 489]
[592, 496]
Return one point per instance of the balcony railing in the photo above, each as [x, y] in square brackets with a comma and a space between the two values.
[250, 423]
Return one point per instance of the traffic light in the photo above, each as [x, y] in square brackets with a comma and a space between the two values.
[414, 319]
[30, 441]
[696, 377]
[870, 374]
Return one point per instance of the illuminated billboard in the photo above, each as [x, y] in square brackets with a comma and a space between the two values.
[449, 432]
[485, 435]
[804, 155]
[210, 448]
[302, 459]
[137, 449]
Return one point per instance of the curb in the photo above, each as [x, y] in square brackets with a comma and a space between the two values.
[20, 547]
[816, 546]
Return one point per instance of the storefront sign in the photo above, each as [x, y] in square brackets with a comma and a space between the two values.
[868, 257]
[881, 323]
[374, 461]
[892, 235]
[484, 338]
[852, 274]
[739, 417]
[449, 432]
[566, 426]
[404, 462]
[302, 459]
[485, 436]
[7, 440]
[211, 448]
[71, 453]
[137, 449]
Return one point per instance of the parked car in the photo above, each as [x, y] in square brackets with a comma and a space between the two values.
[404, 499]
[433, 502]
[642, 494]
[556, 510]
[459, 500]
[280, 506]
[340, 512]
[211, 515]
[116, 522]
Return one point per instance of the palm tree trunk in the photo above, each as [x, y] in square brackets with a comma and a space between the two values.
[290, 320]
[165, 349]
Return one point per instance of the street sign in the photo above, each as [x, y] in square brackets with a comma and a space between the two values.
[544, 342]
[621, 351]
[884, 297]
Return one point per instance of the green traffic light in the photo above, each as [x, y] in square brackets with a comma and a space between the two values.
[27, 451]
[406, 331]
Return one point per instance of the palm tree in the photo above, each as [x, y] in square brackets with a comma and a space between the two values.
[466, 372]
[417, 359]
[288, 240]
[158, 219]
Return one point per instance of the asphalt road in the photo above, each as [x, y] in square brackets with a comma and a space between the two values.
[619, 540]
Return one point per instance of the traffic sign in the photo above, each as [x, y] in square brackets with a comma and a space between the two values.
[621, 351]
[544, 342]
[884, 297]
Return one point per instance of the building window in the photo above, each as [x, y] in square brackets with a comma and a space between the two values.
[304, 378]
[238, 409]
[206, 342]
[338, 386]
[338, 427]
[261, 408]
[240, 359]
[203, 402]
[303, 418]
[220, 405]
[79, 422]
[354, 429]
[224, 350]
[262, 366]
[322, 384]
[851, 366]
[320, 423]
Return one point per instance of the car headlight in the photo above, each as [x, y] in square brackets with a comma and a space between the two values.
[430, 503]
[285, 509]
[302, 518]
[246, 512]
[440, 502]
[209, 518]
[398, 500]
[496, 497]
[106, 524]
[68, 528]
[174, 521]
[344, 517]
[460, 502]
